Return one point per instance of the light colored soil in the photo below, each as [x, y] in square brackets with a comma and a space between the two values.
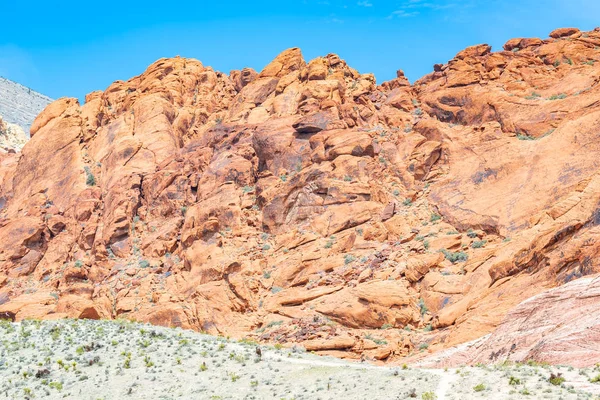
[122, 360]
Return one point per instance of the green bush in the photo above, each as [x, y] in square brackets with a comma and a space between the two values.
[556, 379]
[454, 257]
[533, 96]
[558, 96]
[479, 388]
[478, 244]
[90, 179]
[514, 381]
[524, 137]
[422, 307]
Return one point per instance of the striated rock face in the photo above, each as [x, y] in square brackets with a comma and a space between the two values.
[19, 105]
[559, 326]
[306, 204]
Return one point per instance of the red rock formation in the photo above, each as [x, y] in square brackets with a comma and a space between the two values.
[305, 204]
[559, 326]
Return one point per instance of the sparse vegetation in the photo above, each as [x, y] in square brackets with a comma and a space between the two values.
[479, 388]
[556, 379]
[90, 180]
[454, 257]
[72, 355]
[557, 96]
[477, 244]
[422, 307]
[524, 137]
[533, 96]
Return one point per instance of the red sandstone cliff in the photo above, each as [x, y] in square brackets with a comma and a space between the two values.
[305, 204]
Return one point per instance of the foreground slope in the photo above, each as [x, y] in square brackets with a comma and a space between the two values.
[64, 359]
[305, 204]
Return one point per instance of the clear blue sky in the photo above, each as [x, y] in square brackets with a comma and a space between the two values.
[69, 48]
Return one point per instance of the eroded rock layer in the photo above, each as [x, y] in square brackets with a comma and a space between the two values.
[306, 204]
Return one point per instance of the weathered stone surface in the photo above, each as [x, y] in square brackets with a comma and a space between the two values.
[307, 205]
[558, 326]
[12, 137]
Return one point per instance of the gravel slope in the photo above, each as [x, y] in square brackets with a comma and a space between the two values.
[124, 360]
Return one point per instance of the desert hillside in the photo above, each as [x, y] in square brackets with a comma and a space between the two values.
[120, 359]
[307, 205]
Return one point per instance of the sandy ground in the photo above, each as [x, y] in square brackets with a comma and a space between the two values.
[122, 360]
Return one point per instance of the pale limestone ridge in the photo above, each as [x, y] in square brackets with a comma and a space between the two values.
[19, 104]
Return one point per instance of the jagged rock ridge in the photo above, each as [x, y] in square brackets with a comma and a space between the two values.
[306, 204]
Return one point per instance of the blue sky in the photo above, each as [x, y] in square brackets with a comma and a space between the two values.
[69, 48]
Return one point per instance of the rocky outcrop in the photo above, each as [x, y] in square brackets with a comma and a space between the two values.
[306, 204]
[557, 327]
[12, 137]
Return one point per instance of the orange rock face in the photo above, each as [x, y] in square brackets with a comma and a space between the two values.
[305, 204]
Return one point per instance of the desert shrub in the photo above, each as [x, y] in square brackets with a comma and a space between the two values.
[557, 96]
[524, 137]
[454, 257]
[422, 307]
[90, 179]
[479, 388]
[556, 379]
[478, 244]
[471, 234]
